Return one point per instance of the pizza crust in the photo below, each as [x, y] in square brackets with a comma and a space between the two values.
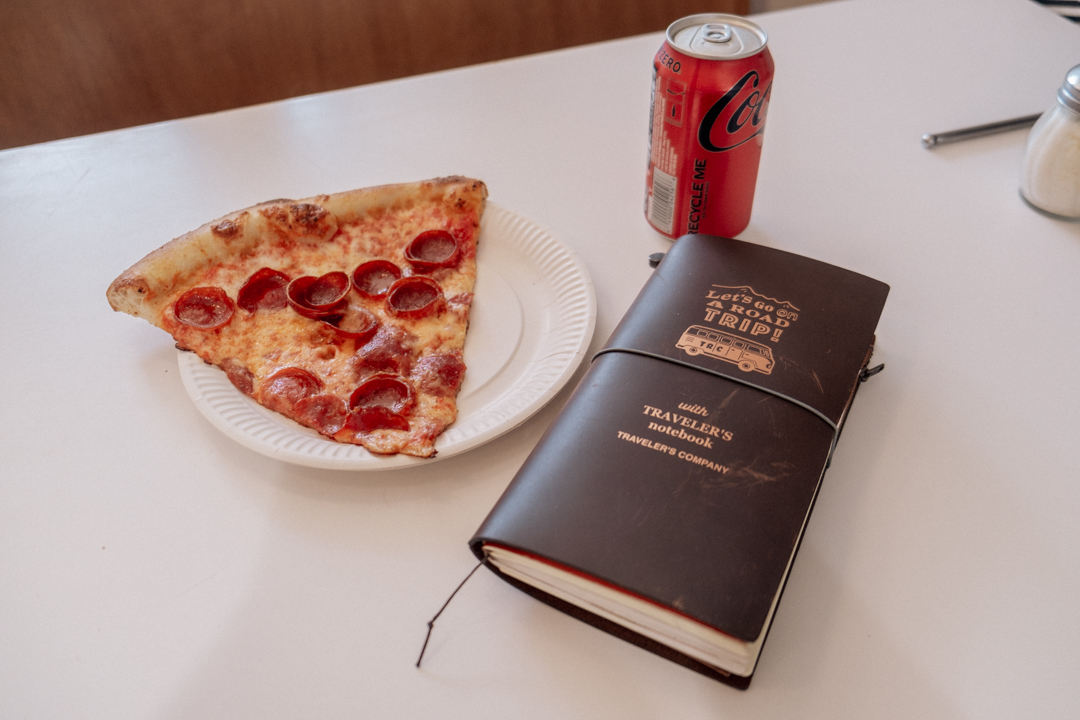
[144, 288]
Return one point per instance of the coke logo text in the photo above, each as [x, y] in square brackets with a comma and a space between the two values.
[737, 116]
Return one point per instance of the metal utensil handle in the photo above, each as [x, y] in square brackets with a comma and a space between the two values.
[932, 140]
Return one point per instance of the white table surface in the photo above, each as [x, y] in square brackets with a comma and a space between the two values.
[152, 568]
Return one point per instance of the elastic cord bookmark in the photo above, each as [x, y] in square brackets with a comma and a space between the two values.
[719, 374]
[868, 373]
[863, 375]
[431, 622]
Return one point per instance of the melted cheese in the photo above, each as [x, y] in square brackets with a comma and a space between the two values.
[267, 341]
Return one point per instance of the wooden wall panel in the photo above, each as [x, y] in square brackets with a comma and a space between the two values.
[72, 67]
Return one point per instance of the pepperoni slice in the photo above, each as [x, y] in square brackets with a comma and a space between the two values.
[461, 300]
[317, 297]
[433, 249]
[414, 297]
[296, 294]
[288, 386]
[374, 278]
[239, 375]
[383, 390]
[355, 322]
[390, 350]
[328, 289]
[205, 308]
[375, 418]
[440, 374]
[325, 413]
[265, 289]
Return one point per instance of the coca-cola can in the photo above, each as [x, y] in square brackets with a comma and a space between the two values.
[712, 79]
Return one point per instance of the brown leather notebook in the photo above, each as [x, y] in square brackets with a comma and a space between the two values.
[666, 502]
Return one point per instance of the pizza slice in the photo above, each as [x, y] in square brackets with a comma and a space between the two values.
[346, 313]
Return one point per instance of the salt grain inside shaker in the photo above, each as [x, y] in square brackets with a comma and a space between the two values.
[1050, 175]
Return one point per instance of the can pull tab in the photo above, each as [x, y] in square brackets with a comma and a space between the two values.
[716, 33]
[717, 40]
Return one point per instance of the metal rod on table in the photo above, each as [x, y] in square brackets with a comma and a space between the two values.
[931, 140]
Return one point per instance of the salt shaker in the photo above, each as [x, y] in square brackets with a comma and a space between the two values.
[1050, 175]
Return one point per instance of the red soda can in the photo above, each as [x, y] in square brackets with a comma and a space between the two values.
[711, 84]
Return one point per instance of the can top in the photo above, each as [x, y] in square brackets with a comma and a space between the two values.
[714, 36]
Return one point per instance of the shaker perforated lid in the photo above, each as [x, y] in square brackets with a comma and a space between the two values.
[1069, 94]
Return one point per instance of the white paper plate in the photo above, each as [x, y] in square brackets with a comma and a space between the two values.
[531, 322]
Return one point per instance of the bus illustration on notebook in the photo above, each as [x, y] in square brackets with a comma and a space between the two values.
[747, 355]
